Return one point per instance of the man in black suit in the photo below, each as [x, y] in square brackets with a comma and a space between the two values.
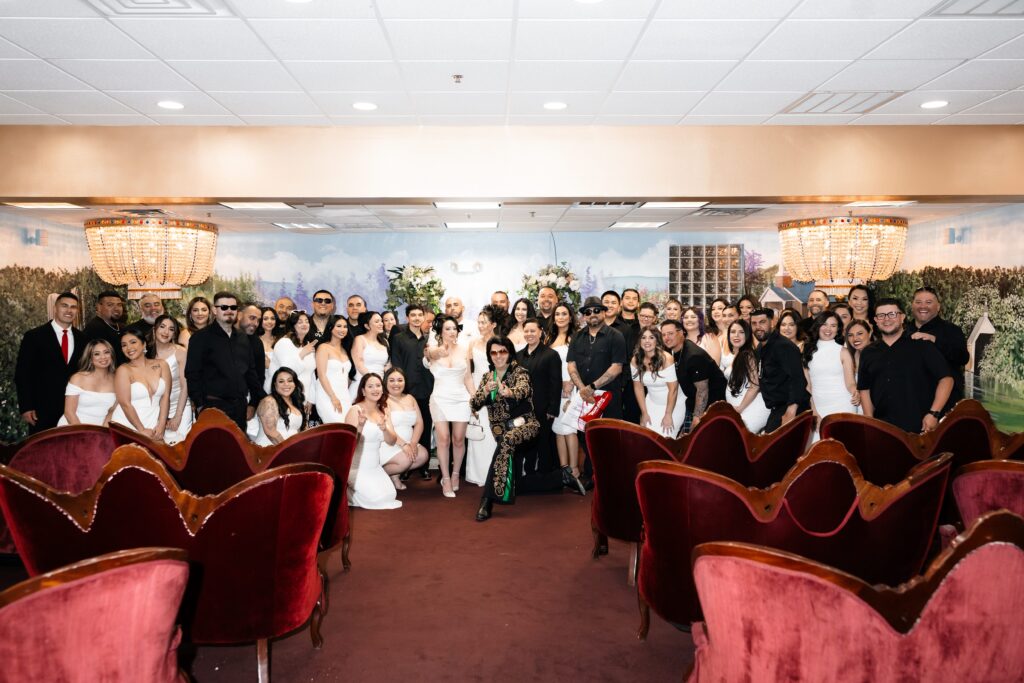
[108, 322]
[48, 356]
[546, 377]
[406, 348]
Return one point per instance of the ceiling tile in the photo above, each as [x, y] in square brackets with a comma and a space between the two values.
[338, 76]
[9, 50]
[862, 9]
[948, 39]
[431, 103]
[825, 39]
[552, 119]
[470, 120]
[445, 9]
[811, 119]
[474, 40]
[268, 103]
[745, 104]
[615, 120]
[740, 120]
[196, 103]
[751, 76]
[703, 39]
[374, 120]
[10, 107]
[72, 103]
[1012, 50]
[958, 101]
[127, 120]
[982, 74]
[570, 40]
[208, 38]
[35, 74]
[873, 119]
[332, 9]
[566, 9]
[673, 75]
[982, 120]
[340, 103]
[72, 39]
[734, 9]
[47, 8]
[651, 103]
[287, 120]
[539, 76]
[476, 76]
[580, 103]
[237, 76]
[30, 120]
[189, 120]
[105, 74]
[1010, 103]
[888, 74]
[323, 39]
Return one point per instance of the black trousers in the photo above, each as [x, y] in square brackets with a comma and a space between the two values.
[540, 455]
[235, 408]
[775, 416]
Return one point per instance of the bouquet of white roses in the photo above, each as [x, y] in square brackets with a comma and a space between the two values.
[558, 277]
[414, 285]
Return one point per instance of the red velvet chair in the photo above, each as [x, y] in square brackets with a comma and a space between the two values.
[989, 485]
[722, 443]
[822, 509]
[616, 448]
[67, 458]
[111, 618]
[773, 616]
[254, 545]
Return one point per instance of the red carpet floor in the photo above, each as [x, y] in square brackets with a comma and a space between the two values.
[434, 595]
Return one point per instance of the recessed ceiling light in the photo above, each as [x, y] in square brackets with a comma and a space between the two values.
[251, 206]
[170, 104]
[636, 225]
[934, 104]
[44, 205]
[472, 225]
[364, 106]
[555, 106]
[304, 226]
[671, 205]
[467, 205]
[881, 204]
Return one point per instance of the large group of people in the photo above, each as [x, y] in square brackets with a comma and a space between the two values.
[502, 401]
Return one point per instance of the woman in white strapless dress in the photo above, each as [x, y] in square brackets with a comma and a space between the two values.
[89, 397]
[266, 335]
[480, 453]
[739, 365]
[369, 485]
[370, 349]
[653, 368]
[179, 418]
[278, 413]
[333, 399]
[563, 327]
[449, 401]
[297, 350]
[405, 417]
[141, 387]
[829, 370]
[521, 310]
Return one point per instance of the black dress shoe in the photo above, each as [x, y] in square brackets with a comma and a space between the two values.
[572, 483]
[404, 476]
[425, 473]
[484, 513]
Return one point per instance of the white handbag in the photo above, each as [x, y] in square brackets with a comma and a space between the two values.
[475, 430]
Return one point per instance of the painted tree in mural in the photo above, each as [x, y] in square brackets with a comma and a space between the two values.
[283, 291]
[377, 292]
[301, 296]
[756, 277]
[589, 285]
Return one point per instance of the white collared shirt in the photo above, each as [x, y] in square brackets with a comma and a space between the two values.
[59, 331]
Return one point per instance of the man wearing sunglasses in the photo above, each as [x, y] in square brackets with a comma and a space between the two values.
[903, 381]
[323, 309]
[220, 368]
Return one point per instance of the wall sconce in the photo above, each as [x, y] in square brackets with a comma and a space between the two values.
[466, 268]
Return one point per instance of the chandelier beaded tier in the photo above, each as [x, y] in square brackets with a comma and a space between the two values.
[149, 254]
[842, 250]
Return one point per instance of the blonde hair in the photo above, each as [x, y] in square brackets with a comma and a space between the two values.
[86, 365]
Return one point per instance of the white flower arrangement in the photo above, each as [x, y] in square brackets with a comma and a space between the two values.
[558, 277]
[414, 285]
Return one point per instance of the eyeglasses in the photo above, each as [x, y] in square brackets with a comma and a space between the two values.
[227, 307]
[322, 300]
[590, 311]
[891, 315]
[499, 352]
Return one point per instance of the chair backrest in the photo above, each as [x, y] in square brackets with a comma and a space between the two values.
[722, 443]
[885, 453]
[989, 485]
[823, 508]
[254, 545]
[791, 618]
[110, 618]
[969, 433]
[616, 448]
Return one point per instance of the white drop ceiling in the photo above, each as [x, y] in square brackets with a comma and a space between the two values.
[615, 62]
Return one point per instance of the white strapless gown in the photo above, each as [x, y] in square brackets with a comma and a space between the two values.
[480, 453]
[337, 377]
[558, 427]
[173, 437]
[375, 357]
[404, 421]
[286, 355]
[291, 429]
[755, 417]
[146, 407]
[828, 384]
[372, 488]
[657, 398]
[93, 406]
[449, 402]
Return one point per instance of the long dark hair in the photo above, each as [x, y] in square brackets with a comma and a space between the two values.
[438, 326]
[871, 335]
[531, 312]
[658, 361]
[394, 370]
[189, 323]
[382, 402]
[328, 334]
[797, 318]
[701, 329]
[553, 327]
[871, 298]
[293, 319]
[709, 324]
[142, 336]
[364, 322]
[298, 397]
[151, 342]
[750, 299]
[498, 316]
[85, 364]
[811, 343]
[745, 363]
[277, 323]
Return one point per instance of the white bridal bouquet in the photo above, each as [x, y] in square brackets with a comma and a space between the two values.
[559, 277]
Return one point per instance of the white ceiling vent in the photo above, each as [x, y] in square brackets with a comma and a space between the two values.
[720, 212]
[843, 102]
[979, 8]
[604, 205]
[161, 8]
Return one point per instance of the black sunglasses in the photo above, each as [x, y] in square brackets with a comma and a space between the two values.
[228, 307]
[590, 311]
[321, 300]
[499, 352]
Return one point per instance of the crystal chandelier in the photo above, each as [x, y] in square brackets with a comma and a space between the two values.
[843, 249]
[149, 254]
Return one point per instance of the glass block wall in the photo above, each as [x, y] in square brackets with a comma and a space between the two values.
[698, 273]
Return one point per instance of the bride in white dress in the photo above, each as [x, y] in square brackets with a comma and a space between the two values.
[279, 414]
[449, 401]
[333, 399]
[829, 370]
[481, 452]
[739, 365]
[89, 397]
[179, 411]
[370, 349]
[141, 388]
[404, 413]
[369, 485]
[653, 368]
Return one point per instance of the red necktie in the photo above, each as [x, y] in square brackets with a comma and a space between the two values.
[64, 346]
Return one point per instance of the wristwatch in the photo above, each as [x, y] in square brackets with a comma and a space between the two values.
[937, 414]
[592, 387]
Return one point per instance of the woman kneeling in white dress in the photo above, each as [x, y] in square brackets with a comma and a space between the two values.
[279, 413]
[141, 388]
[404, 415]
[369, 485]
